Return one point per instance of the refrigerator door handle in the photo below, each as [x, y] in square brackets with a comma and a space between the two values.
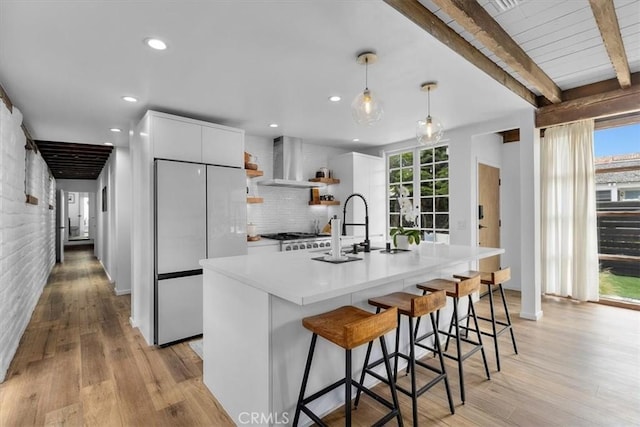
[175, 275]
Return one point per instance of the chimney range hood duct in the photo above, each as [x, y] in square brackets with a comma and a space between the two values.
[287, 164]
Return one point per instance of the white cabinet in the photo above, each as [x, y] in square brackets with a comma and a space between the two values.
[364, 174]
[222, 146]
[176, 140]
[180, 138]
[264, 249]
[169, 137]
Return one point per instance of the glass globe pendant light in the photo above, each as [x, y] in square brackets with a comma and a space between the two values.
[430, 130]
[366, 108]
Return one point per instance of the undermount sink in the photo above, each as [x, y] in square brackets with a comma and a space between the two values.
[349, 249]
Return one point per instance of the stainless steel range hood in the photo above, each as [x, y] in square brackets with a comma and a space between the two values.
[287, 164]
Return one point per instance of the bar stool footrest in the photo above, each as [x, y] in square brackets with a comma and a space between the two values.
[441, 375]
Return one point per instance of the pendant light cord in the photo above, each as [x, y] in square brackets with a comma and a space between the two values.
[428, 102]
[366, 73]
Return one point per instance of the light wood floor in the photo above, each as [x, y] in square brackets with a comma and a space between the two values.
[80, 363]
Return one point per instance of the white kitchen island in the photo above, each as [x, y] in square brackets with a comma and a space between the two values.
[255, 346]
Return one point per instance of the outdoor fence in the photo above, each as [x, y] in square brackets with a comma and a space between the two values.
[619, 237]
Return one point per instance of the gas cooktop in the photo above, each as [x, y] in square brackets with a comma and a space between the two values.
[289, 236]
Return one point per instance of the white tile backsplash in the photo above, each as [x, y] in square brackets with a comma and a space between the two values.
[287, 209]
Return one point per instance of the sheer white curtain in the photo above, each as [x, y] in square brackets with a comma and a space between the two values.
[569, 228]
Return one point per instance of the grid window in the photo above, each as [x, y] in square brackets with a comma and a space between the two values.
[424, 172]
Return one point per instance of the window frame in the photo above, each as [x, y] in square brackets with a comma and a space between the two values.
[418, 178]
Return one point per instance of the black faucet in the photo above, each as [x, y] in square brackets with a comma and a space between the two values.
[366, 244]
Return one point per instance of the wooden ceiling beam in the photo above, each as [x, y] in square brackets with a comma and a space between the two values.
[5, 98]
[611, 103]
[617, 121]
[73, 156]
[605, 14]
[67, 163]
[73, 160]
[74, 146]
[477, 21]
[421, 16]
[511, 135]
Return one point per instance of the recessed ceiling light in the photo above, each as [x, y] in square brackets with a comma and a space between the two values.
[355, 139]
[156, 44]
[130, 99]
[108, 143]
[334, 98]
[273, 125]
[115, 130]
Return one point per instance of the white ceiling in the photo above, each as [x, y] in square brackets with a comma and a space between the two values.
[560, 36]
[65, 65]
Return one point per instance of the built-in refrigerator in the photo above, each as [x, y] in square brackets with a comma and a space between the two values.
[200, 212]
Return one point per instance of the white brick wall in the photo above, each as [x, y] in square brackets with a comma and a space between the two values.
[27, 235]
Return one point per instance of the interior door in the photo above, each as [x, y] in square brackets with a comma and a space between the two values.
[489, 214]
[61, 220]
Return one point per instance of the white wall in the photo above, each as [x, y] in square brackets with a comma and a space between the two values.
[287, 209]
[509, 195]
[77, 185]
[113, 244]
[123, 221]
[27, 235]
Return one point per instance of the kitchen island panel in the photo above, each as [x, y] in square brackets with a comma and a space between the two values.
[236, 345]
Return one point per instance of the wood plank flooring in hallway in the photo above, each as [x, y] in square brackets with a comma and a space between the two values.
[81, 363]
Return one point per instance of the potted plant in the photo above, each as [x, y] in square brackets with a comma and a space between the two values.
[403, 237]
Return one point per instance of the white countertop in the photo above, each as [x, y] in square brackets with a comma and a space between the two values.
[295, 277]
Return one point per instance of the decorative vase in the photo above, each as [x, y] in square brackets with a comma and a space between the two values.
[402, 242]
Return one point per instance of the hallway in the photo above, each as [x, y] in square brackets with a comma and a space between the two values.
[81, 363]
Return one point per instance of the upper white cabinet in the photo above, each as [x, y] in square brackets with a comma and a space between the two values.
[176, 140]
[222, 146]
[180, 138]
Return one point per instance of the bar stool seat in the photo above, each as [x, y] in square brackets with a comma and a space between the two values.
[494, 280]
[349, 327]
[413, 306]
[457, 290]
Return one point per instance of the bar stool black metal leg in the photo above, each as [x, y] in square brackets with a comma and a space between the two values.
[412, 363]
[395, 360]
[493, 327]
[366, 363]
[455, 313]
[307, 368]
[347, 388]
[506, 312]
[458, 348]
[392, 384]
[475, 321]
[364, 368]
[436, 342]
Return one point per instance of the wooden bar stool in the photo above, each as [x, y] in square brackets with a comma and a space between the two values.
[349, 327]
[413, 306]
[493, 280]
[457, 290]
